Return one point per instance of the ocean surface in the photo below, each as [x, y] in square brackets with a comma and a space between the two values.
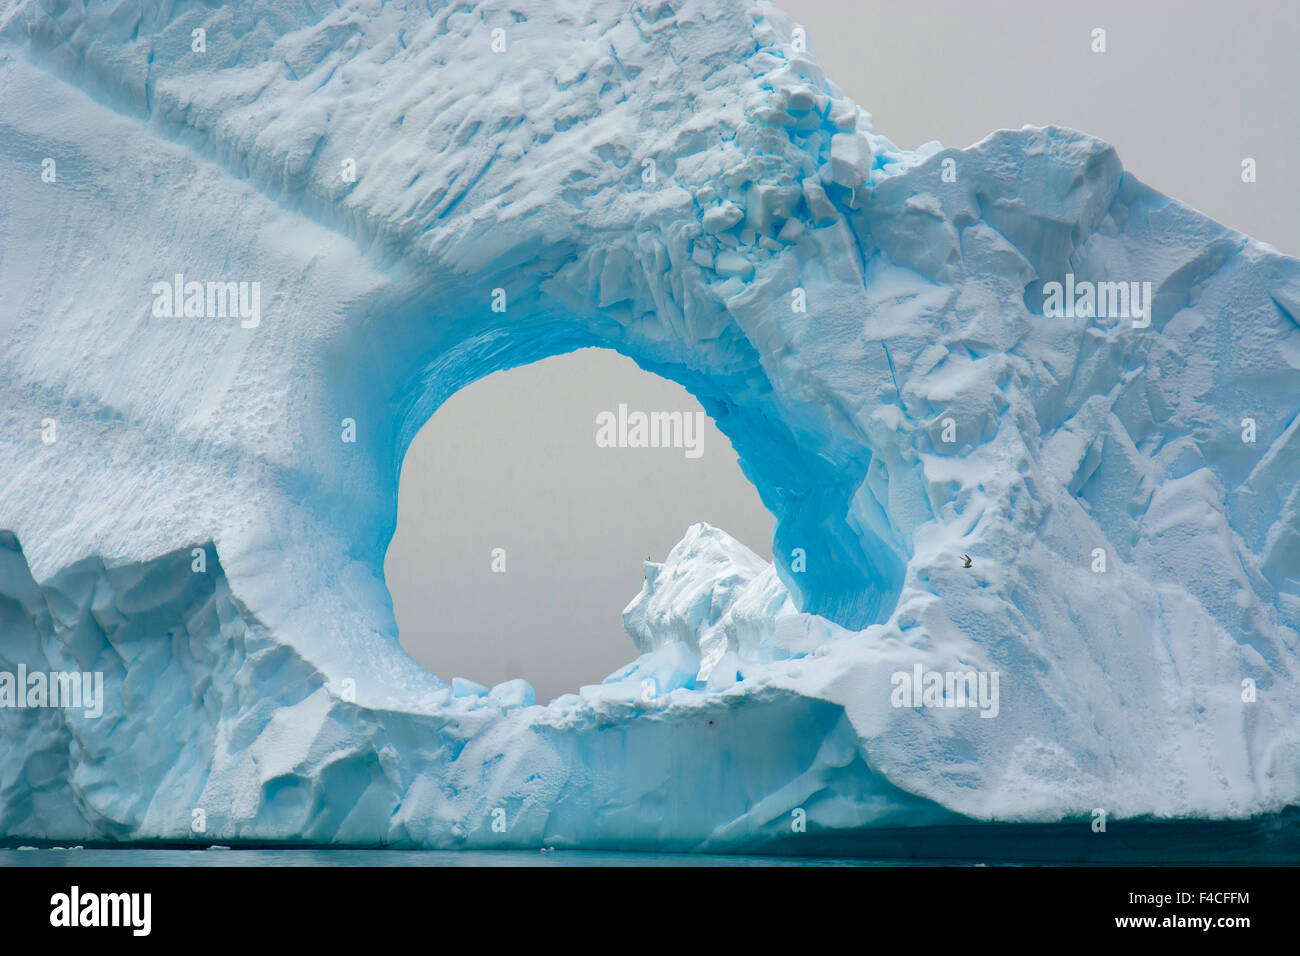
[141, 856]
[1273, 839]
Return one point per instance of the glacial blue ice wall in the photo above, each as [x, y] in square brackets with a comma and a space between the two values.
[675, 181]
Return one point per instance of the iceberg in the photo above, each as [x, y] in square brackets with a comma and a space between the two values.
[247, 252]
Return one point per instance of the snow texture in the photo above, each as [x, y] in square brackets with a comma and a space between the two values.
[665, 178]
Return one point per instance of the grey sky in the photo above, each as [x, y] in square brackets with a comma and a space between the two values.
[1185, 91]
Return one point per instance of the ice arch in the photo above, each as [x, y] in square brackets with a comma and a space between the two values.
[663, 180]
[277, 455]
[806, 479]
[511, 462]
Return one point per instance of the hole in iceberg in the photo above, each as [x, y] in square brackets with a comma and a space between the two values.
[526, 510]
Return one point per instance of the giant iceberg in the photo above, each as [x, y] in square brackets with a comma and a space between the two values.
[391, 200]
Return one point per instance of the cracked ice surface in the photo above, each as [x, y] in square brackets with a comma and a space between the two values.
[269, 690]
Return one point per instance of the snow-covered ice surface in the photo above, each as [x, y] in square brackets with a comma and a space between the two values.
[658, 178]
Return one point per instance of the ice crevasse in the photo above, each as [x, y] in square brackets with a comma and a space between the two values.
[671, 179]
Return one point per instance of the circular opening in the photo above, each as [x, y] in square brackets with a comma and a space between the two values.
[522, 523]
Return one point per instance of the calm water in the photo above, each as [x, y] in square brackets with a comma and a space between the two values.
[151, 857]
[1272, 839]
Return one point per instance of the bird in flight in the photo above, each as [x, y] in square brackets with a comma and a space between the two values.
[965, 560]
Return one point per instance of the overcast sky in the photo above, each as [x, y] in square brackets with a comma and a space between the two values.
[1185, 91]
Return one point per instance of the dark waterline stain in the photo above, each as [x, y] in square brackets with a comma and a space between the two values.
[1272, 839]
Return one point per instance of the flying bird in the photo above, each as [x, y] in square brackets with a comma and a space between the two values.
[965, 560]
